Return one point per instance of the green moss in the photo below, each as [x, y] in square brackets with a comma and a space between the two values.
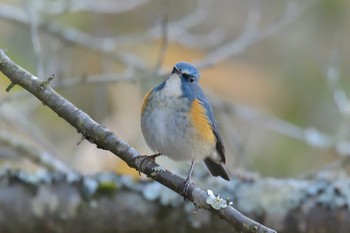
[107, 187]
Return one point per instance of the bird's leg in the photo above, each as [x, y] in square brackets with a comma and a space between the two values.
[188, 179]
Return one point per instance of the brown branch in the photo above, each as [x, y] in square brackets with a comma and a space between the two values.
[105, 139]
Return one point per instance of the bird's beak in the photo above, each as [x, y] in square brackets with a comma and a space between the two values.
[175, 71]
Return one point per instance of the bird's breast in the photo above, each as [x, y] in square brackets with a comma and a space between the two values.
[167, 125]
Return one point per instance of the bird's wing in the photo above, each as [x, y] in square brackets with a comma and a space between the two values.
[201, 121]
[210, 118]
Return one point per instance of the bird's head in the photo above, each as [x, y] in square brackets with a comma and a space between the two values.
[183, 81]
[187, 72]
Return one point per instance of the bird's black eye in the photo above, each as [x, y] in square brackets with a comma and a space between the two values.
[188, 77]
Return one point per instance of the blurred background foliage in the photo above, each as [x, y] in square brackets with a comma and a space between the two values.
[276, 72]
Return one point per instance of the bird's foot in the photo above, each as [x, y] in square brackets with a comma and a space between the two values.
[188, 181]
[186, 186]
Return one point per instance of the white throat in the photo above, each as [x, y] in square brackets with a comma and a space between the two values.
[173, 86]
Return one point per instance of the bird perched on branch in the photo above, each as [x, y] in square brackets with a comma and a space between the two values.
[177, 120]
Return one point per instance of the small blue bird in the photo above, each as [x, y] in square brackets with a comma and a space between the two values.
[178, 121]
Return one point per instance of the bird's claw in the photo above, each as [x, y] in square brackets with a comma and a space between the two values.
[186, 186]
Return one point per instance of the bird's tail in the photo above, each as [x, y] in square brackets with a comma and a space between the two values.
[216, 168]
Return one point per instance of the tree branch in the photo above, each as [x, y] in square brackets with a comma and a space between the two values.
[105, 139]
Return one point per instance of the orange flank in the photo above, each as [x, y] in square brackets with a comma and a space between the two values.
[145, 100]
[201, 122]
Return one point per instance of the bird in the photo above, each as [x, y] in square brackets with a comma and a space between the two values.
[178, 121]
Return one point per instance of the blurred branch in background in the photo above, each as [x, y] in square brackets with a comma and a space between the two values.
[106, 46]
[24, 149]
[340, 99]
[252, 34]
[103, 7]
[310, 136]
